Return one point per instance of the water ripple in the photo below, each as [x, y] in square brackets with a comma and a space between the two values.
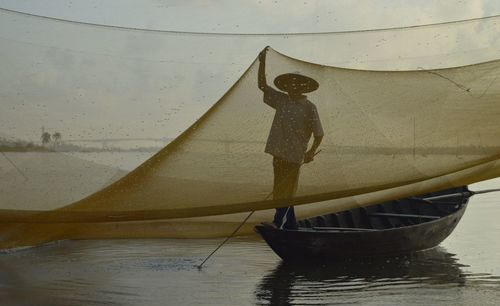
[243, 272]
[322, 284]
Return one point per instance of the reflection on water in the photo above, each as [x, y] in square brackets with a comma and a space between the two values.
[244, 272]
[371, 281]
[309, 283]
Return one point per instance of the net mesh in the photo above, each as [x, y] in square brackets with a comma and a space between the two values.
[382, 130]
[388, 134]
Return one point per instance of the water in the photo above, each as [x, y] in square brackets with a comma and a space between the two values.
[464, 270]
[121, 160]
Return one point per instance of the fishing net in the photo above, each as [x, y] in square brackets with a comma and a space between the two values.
[382, 130]
[387, 134]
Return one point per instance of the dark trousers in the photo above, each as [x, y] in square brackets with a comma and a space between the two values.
[286, 179]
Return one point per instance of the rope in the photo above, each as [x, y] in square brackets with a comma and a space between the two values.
[245, 34]
[14, 165]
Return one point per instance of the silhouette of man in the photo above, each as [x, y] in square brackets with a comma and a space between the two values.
[295, 120]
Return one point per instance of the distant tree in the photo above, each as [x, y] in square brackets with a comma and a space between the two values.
[57, 138]
[45, 138]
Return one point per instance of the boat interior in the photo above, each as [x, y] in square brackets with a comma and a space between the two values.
[391, 214]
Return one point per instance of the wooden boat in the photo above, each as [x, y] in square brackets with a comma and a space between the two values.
[386, 229]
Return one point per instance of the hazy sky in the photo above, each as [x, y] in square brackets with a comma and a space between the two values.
[94, 82]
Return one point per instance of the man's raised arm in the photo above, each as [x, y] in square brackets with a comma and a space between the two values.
[262, 70]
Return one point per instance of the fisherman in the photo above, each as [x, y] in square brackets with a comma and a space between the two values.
[295, 120]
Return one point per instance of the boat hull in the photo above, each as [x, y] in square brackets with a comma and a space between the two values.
[308, 243]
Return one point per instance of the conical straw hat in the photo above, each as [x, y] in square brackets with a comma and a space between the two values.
[295, 82]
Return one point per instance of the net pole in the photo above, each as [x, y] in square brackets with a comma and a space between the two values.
[232, 234]
[240, 226]
[466, 193]
[225, 240]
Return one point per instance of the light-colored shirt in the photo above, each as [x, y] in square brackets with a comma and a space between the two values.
[293, 124]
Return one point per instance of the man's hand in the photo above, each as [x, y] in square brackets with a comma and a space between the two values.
[309, 156]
